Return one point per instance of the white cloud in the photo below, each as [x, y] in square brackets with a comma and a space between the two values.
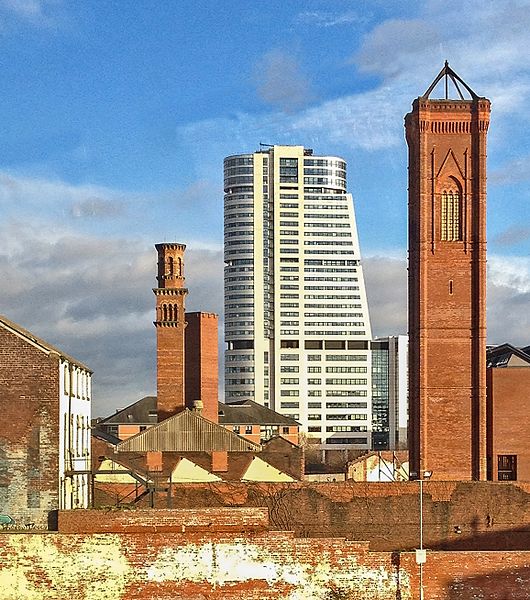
[92, 298]
[329, 19]
[38, 13]
[281, 82]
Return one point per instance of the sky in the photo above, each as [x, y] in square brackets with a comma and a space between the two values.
[116, 117]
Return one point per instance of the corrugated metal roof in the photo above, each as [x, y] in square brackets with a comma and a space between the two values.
[187, 432]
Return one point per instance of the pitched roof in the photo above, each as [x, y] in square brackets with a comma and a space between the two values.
[136, 413]
[250, 412]
[241, 466]
[187, 432]
[38, 342]
[506, 355]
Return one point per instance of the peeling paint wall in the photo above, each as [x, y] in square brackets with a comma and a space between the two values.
[262, 566]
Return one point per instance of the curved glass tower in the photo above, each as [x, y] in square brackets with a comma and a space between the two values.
[296, 317]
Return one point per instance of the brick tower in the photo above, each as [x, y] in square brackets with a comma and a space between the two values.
[170, 324]
[447, 281]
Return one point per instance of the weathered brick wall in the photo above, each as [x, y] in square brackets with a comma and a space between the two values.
[163, 520]
[490, 516]
[29, 431]
[164, 566]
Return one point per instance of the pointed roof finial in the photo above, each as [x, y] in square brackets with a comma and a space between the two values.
[448, 73]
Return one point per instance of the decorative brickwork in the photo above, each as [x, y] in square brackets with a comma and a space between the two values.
[170, 324]
[447, 286]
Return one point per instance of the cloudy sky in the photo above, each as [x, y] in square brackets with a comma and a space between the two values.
[116, 117]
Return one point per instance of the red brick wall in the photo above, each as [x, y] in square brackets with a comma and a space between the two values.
[447, 279]
[256, 566]
[163, 520]
[29, 431]
[490, 516]
[202, 371]
[509, 407]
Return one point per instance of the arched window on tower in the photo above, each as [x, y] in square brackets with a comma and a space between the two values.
[451, 216]
[175, 312]
[164, 309]
[179, 267]
[170, 307]
[170, 266]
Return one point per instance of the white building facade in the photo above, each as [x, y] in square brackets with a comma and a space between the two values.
[296, 317]
[75, 393]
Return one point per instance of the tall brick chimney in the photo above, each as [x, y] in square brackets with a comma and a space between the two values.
[202, 374]
[170, 324]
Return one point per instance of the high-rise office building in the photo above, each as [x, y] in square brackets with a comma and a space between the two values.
[296, 316]
[390, 392]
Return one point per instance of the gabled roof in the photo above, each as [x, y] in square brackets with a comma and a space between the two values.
[506, 355]
[450, 76]
[38, 342]
[187, 432]
[136, 413]
[251, 413]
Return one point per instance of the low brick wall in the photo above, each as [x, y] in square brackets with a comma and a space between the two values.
[256, 566]
[457, 515]
[232, 520]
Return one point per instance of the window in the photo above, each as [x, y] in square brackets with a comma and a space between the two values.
[451, 230]
[313, 344]
[236, 429]
[289, 344]
[507, 467]
[314, 369]
[285, 429]
[289, 404]
[353, 440]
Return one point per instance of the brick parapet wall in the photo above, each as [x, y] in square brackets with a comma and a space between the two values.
[199, 565]
[163, 520]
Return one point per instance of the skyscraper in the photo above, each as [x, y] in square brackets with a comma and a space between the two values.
[296, 318]
[447, 281]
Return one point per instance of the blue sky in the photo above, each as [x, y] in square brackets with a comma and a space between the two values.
[116, 117]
